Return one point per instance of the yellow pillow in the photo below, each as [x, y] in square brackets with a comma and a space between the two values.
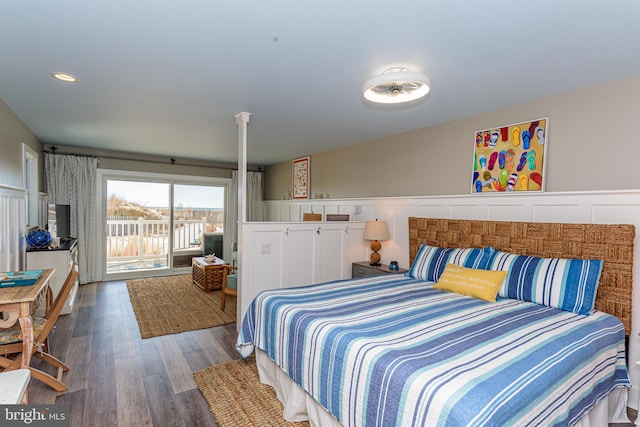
[482, 284]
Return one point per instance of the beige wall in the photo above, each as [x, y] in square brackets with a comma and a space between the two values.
[592, 145]
[13, 133]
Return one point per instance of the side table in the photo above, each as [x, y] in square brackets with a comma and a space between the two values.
[208, 275]
[364, 269]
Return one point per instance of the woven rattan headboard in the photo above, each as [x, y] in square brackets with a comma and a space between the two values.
[611, 243]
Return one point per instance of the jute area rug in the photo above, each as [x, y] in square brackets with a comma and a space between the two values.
[173, 304]
[237, 398]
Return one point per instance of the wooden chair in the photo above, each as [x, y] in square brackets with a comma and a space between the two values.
[311, 216]
[11, 339]
[229, 284]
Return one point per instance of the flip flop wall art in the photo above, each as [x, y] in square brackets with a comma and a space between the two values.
[510, 158]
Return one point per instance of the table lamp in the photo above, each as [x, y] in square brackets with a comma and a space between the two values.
[376, 231]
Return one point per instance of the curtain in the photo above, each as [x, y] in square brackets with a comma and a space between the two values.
[255, 207]
[231, 217]
[254, 204]
[71, 180]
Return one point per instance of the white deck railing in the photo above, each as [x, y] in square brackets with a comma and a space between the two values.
[143, 239]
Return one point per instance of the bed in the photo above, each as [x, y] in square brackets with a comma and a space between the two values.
[394, 350]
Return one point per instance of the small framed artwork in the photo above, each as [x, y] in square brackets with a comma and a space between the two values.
[510, 158]
[301, 175]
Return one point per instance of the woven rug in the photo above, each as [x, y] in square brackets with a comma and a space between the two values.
[173, 304]
[237, 398]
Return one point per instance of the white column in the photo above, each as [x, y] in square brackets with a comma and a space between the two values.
[242, 120]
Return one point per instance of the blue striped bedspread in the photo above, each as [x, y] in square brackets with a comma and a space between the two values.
[393, 351]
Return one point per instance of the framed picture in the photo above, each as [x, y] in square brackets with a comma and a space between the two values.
[301, 175]
[510, 158]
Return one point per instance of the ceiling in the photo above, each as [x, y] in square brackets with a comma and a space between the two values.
[167, 77]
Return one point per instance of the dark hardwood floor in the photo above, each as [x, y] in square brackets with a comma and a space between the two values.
[119, 379]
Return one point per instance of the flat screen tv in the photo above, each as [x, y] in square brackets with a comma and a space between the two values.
[63, 221]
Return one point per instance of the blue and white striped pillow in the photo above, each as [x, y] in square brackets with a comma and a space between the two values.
[430, 261]
[567, 284]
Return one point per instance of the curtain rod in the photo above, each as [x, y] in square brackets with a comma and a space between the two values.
[172, 161]
[54, 149]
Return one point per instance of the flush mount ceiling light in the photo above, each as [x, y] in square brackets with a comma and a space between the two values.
[396, 85]
[65, 77]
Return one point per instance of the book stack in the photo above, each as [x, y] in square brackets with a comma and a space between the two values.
[19, 278]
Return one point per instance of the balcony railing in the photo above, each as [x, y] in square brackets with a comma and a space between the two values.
[144, 240]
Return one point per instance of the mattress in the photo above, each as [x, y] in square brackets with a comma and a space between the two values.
[391, 350]
[299, 406]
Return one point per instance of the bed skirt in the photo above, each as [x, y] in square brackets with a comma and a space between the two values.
[299, 406]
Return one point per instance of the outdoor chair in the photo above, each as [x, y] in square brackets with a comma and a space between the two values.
[229, 283]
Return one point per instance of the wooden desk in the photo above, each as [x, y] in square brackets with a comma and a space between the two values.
[20, 302]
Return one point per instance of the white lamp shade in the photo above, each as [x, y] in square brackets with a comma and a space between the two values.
[376, 230]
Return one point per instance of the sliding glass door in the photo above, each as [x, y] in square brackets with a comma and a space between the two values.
[138, 225]
[155, 224]
[198, 212]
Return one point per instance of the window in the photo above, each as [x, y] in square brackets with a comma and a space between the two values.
[30, 183]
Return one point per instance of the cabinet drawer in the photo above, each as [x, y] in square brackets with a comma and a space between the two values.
[362, 271]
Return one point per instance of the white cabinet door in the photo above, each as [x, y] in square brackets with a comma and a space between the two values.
[330, 250]
[61, 261]
[357, 249]
[264, 250]
[300, 256]
[317, 253]
[281, 255]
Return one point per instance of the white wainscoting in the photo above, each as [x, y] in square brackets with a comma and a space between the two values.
[13, 222]
[610, 207]
[281, 255]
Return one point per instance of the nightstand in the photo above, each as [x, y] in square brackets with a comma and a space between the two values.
[364, 269]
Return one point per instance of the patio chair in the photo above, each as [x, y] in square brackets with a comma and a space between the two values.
[11, 339]
[212, 244]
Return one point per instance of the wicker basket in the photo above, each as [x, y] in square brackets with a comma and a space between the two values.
[207, 275]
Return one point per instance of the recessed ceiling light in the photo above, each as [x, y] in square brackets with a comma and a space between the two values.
[396, 85]
[65, 77]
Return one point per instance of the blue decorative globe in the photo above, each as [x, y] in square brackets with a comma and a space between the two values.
[38, 238]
